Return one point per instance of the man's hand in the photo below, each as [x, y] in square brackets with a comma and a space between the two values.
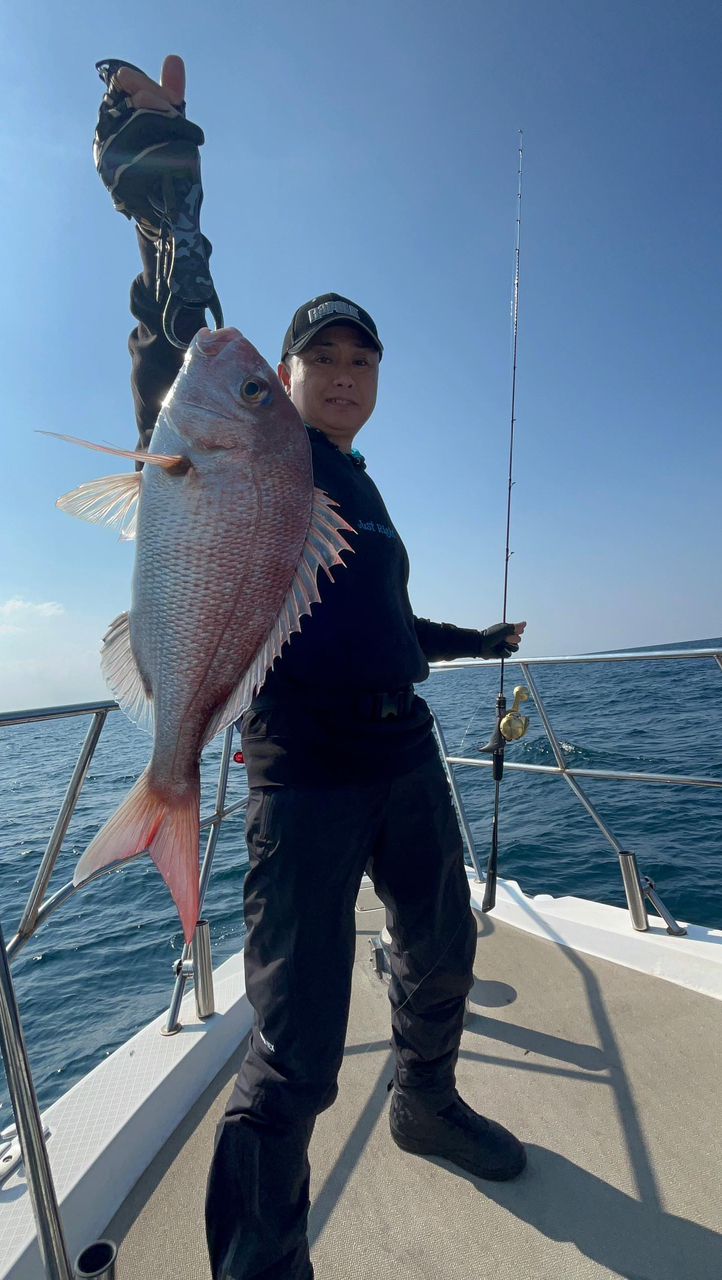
[503, 639]
[147, 155]
[147, 94]
[515, 638]
[144, 145]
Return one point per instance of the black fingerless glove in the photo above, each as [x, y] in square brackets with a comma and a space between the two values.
[494, 643]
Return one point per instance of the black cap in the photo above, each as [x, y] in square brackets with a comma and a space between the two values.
[329, 308]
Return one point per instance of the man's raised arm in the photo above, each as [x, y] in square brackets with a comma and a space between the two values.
[155, 361]
[133, 158]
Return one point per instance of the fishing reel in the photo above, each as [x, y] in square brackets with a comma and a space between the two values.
[514, 725]
[511, 725]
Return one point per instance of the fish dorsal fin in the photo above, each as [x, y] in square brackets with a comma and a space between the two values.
[110, 500]
[122, 674]
[321, 550]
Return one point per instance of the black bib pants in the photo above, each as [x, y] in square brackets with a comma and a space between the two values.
[309, 848]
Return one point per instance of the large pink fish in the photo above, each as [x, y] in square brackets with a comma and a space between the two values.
[230, 534]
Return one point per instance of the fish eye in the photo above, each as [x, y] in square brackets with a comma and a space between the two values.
[253, 390]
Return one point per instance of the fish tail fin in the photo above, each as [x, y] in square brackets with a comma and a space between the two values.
[167, 827]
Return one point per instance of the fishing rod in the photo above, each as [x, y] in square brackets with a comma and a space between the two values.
[509, 725]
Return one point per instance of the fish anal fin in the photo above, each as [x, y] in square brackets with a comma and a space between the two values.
[321, 550]
[123, 675]
[111, 501]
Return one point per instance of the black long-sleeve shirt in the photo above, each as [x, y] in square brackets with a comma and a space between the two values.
[310, 722]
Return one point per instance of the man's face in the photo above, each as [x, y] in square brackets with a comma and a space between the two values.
[333, 382]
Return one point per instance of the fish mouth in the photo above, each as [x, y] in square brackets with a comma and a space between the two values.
[210, 341]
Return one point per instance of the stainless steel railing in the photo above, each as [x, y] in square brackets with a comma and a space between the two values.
[98, 1259]
[636, 886]
[51, 1240]
[38, 910]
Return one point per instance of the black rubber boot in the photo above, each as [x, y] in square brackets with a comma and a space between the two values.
[457, 1134]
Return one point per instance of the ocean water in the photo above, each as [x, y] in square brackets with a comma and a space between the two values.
[102, 966]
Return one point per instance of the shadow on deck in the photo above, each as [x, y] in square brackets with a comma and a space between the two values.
[609, 1076]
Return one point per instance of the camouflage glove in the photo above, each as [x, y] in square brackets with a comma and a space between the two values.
[150, 163]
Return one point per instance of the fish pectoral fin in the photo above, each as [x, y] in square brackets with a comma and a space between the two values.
[167, 829]
[321, 550]
[141, 455]
[123, 675]
[110, 500]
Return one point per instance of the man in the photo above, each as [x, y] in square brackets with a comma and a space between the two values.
[344, 776]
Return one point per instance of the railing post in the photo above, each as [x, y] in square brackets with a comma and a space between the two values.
[650, 892]
[456, 797]
[47, 866]
[51, 1240]
[184, 968]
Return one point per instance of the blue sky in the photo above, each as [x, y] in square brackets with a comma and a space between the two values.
[372, 149]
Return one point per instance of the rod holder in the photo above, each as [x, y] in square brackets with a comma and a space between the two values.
[198, 966]
[97, 1262]
[637, 888]
[203, 970]
[634, 890]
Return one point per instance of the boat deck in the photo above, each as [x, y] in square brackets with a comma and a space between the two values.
[613, 1080]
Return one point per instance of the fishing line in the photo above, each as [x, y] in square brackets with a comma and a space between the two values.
[434, 966]
[513, 332]
[474, 713]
